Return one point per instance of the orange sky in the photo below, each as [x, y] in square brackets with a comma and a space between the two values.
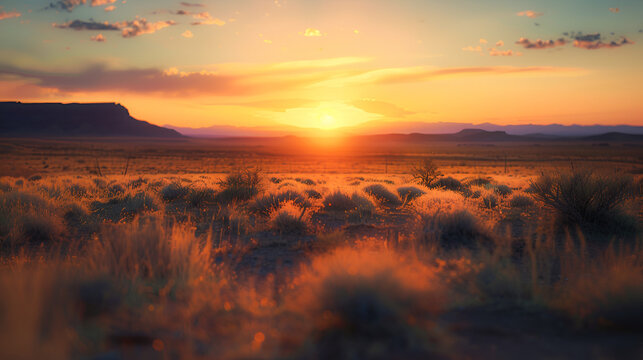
[330, 64]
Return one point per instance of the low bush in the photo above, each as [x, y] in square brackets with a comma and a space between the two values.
[289, 219]
[521, 201]
[585, 198]
[201, 196]
[490, 201]
[241, 185]
[502, 190]
[382, 195]
[448, 183]
[174, 191]
[313, 194]
[338, 202]
[367, 304]
[409, 193]
[125, 207]
[453, 229]
[264, 205]
[479, 181]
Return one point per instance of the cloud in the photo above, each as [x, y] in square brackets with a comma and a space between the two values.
[187, 4]
[110, 8]
[540, 44]
[496, 52]
[483, 41]
[500, 43]
[247, 80]
[128, 29]
[187, 34]
[87, 25]
[98, 38]
[380, 107]
[599, 44]
[615, 10]
[423, 74]
[530, 14]
[9, 14]
[102, 2]
[69, 5]
[206, 19]
[310, 32]
[228, 80]
[141, 26]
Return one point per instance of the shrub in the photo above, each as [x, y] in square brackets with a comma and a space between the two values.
[34, 178]
[338, 201]
[479, 181]
[367, 304]
[78, 219]
[264, 205]
[363, 210]
[201, 196]
[425, 173]
[174, 191]
[448, 183]
[490, 201]
[125, 207]
[5, 187]
[313, 194]
[584, 198]
[289, 219]
[520, 201]
[240, 186]
[308, 182]
[382, 195]
[39, 228]
[454, 229]
[502, 190]
[275, 180]
[409, 193]
[115, 190]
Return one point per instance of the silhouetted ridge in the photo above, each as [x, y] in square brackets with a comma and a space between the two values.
[74, 120]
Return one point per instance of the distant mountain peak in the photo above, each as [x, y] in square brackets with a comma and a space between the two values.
[19, 119]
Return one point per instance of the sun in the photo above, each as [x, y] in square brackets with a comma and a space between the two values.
[327, 121]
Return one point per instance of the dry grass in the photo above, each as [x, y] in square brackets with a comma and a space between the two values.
[167, 258]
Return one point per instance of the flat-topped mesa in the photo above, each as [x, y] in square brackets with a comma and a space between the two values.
[75, 120]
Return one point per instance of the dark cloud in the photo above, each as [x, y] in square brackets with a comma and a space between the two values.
[172, 82]
[596, 41]
[128, 28]
[67, 5]
[88, 25]
[540, 44]
[599, 44]
[588, 37]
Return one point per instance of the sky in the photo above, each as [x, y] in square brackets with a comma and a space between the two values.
[331, 63]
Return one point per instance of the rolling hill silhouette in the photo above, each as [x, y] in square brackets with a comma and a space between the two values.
[75, 120]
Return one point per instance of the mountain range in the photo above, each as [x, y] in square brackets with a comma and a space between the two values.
[113, 120]
[377, 128]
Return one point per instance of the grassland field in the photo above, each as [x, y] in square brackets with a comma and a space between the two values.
[315, 249]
